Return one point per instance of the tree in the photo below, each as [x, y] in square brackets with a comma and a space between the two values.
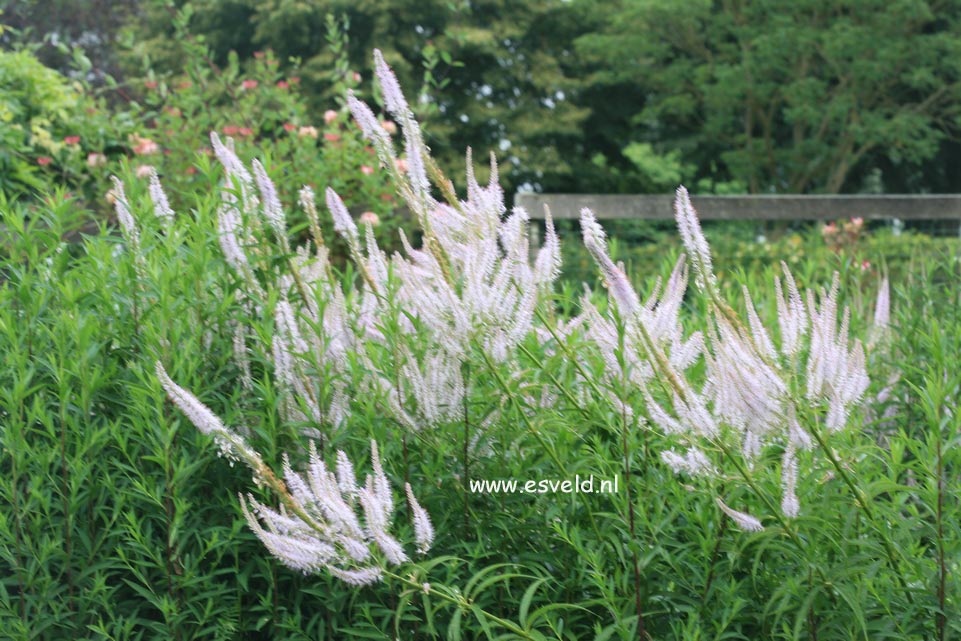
[53, 27]
[500, 75]
[806, 96]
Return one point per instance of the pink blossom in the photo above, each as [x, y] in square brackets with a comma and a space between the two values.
[289, 126]
[367, 170]
[144, 171]
[72, 140]
[245, 131]
[231, 130]
[330, 116]
[369, 217]
[865, 265]
[144, 146]
[283, 84]
[96, 159]
[331, 137]
[401, 165]
[249, 84]
[150, 84]
[43, 161]
[829, 229]
[307, 132]
[389, 126]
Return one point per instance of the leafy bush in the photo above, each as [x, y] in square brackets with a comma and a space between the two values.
[63, 134]
[38, 110]
[262, 110]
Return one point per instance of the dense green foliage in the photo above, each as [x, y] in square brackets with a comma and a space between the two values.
[591, 95]
[489, 72]
[637, 95]
[120, 521]
[37, 107]
[57, 136]
[791, 97]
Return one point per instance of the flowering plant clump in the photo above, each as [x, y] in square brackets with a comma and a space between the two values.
[316, 526]
[450, 343]
[470, 286]
[844, 235]
[755, 387]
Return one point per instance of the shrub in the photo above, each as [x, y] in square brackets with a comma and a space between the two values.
[39, 141]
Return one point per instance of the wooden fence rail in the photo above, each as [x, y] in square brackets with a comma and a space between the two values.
[647, 207]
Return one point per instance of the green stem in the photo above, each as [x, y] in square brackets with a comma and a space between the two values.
[460, 601]
[773, 509]
[940, 619]
[533, 430]
[510, 395]
[865, 504]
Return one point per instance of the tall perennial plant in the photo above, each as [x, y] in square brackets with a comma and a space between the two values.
[427, 329]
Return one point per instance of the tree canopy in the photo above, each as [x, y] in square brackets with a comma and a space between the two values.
[625, 95]
[806, 96]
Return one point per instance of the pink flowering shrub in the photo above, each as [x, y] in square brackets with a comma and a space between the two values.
[82, 140]
[49, 129]
[262, 111]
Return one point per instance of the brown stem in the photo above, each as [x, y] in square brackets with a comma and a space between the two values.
[714, 554]
[466, 452]
[64, 474]
[940, 620]
[812, 618]
[638, 604]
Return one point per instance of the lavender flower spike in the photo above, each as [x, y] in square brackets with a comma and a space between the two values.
[693, 238]
[423, 530]
[343, 223]
[370, 126]
[127, 222]
[882, 310]
[161, 206]
[273, 210]
[232, 445]
[744, 521]
[620, 288]
[317, 528]
[882, 313]
[393, 96]
[198, 413]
